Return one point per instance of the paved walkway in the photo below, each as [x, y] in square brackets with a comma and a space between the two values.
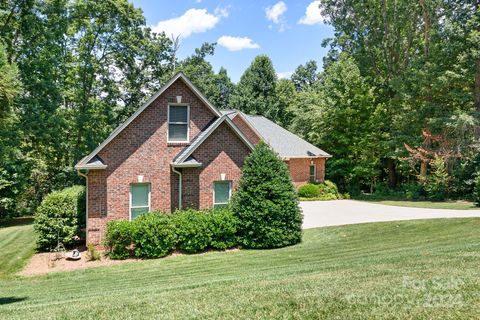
[340, 212]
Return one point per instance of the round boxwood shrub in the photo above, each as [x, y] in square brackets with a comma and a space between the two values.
[192, 229]
[60, 217]
[223, 229]
[266, 202]
[309, 190]
[154, 235]
[119, 238]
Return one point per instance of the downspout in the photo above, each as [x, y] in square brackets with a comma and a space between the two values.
[85, 175]
[179, 186]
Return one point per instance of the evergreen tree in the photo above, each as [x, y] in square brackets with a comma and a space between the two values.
[266, 202]
[255, 92]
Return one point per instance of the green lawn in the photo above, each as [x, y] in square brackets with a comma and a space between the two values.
[17, 243]
[403, 270]
[459, 205]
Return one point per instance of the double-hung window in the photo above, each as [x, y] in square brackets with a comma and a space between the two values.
[178, 118]
[139, 199]
[221, 193]
[312, 173]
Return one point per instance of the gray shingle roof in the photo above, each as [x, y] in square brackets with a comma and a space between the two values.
[285, 143]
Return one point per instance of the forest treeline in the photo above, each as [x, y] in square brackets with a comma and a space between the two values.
[396, 101]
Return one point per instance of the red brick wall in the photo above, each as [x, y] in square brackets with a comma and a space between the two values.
[300, 169]
[140, 149]
[221, 152]
[246, 130]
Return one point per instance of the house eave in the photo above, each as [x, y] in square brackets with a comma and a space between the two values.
[303, 157]
[186, 165]
[90, 167]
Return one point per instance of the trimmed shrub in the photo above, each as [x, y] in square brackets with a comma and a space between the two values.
[60, 217]
[192, 229]
[309, 190]
[327, 196]
[223, 229]
[266, 202]
[323, 191]
[154, 235]
[329, 187]
[119, 238]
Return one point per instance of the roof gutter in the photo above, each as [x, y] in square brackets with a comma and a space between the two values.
[179, 186]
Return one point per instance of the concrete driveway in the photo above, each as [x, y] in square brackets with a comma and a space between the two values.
[340, 212]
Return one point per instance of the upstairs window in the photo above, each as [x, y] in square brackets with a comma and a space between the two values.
[178, 118]
[139, 199]
[312, 173]
[221, 193]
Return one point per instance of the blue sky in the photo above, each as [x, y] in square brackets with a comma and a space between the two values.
[289, 32]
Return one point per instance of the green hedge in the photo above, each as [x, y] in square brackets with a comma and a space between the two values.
[193, 231]
[156, 234]
[60, 217]
[309, 190]
[322, 191]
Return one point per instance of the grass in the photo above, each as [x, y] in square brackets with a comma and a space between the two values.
[454, 205]
[17, 242]
[402, 270]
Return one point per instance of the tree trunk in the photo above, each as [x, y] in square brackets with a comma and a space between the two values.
[423, 171]
[392, 173]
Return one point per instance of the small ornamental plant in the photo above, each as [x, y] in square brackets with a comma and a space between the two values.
[266, 202]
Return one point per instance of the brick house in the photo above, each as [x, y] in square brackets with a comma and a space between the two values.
[178, 151]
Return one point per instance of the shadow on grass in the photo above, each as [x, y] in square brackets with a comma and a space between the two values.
[16, 222]
[8, 300]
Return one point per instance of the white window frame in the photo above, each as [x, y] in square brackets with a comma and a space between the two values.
[229, 192]
[187, 123]
[149, 199]
[314, 173]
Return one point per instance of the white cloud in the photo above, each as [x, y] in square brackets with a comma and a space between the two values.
[192, 21]
[284, 75]
[237, 43]
[275, 12]
[313, 15]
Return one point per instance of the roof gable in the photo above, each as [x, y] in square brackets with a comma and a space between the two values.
[184, 156]
[86, 162]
